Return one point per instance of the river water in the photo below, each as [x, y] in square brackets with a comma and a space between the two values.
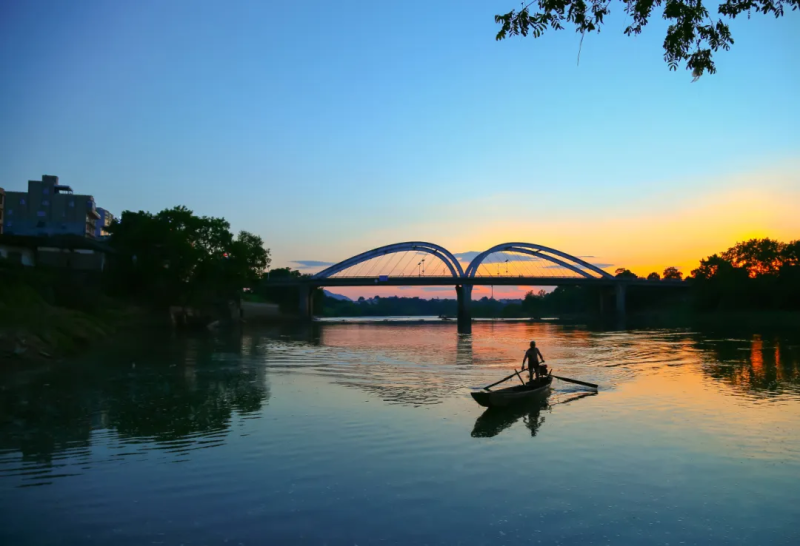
[343, 434]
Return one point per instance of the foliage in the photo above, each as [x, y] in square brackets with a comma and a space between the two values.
[754, 274]
[757, 256]
[672, 273]
[562, 300]
[654, 276]
[394, 306]
[178, 257]
[692, 36]
[53, 312]
[622, 273]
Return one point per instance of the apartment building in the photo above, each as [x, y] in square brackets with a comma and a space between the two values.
[101, 231]
[49, 208]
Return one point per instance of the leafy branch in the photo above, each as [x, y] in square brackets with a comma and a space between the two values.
[692, 36]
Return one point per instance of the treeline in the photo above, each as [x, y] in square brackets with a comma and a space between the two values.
[394, 306]
[756, 274]
[759, 274]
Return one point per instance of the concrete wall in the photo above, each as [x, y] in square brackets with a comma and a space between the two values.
[23, 255]
[253, 312]
[80, 259]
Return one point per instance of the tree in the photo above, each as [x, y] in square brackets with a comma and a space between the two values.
[754, 274]
[622, 273]
[672, 273]
[176, 256]
[757, 256]
[654, 276]
[691, 37]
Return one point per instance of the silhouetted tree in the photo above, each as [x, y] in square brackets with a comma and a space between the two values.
[758, 256]
[755, 274]
[654, 276]
[622, 273]
[672, 273]
[177, 257]
[691, 37]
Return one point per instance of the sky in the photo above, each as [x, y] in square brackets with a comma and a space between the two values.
[329, 128]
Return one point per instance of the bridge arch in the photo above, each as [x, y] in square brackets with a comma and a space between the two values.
[546, 253]
[412, 246]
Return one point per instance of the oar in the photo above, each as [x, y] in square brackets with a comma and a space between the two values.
[504, 379]
[568, 380]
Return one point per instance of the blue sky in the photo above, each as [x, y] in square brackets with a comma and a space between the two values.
[332, 127]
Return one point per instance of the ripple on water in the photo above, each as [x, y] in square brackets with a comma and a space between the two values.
[345, 434]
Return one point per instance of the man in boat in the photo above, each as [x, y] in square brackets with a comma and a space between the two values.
[532, 356]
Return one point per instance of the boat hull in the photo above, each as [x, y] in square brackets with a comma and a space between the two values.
[513, 395]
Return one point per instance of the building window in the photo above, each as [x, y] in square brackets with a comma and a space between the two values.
[72, 203]
[41, 213]
[45, 203]
[22, 201]
[46, 191]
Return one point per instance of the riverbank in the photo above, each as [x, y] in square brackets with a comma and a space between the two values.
[34, 329]
[38, 331]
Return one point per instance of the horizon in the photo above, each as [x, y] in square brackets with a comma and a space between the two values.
[343, 136]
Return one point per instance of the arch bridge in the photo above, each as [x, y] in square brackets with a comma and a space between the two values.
[419, 263]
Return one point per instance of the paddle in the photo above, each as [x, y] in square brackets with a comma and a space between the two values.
[504, 379]
[568, 380]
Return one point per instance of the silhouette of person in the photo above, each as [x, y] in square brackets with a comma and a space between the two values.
[532, 356]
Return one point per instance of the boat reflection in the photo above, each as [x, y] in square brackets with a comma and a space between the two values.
[493, 421]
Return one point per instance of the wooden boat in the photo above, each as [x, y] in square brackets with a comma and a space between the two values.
[513, 395]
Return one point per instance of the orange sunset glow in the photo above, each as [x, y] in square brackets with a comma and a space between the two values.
[647, 238]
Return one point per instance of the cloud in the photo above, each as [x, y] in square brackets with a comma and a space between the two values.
[509, 288]
[438, 289]
[494, 258]
[600, 265]
[501, 257]
[466, 256]
[306, 264]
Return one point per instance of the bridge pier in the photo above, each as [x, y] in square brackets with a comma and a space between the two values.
[306, 301]
[464, 297]
[620, 300]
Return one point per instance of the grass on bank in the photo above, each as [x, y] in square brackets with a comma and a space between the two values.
[32, 328]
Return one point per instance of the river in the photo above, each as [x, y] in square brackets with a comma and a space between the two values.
[343, 434]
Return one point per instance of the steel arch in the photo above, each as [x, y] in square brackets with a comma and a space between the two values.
[538, 251]
[418, 246]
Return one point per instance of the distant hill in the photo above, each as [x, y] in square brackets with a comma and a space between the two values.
[336, 296]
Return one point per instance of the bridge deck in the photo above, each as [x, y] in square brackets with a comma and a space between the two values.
[472, 281]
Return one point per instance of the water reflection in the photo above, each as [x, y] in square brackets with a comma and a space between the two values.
[493, 421]
[175, 395]
[759, 364]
